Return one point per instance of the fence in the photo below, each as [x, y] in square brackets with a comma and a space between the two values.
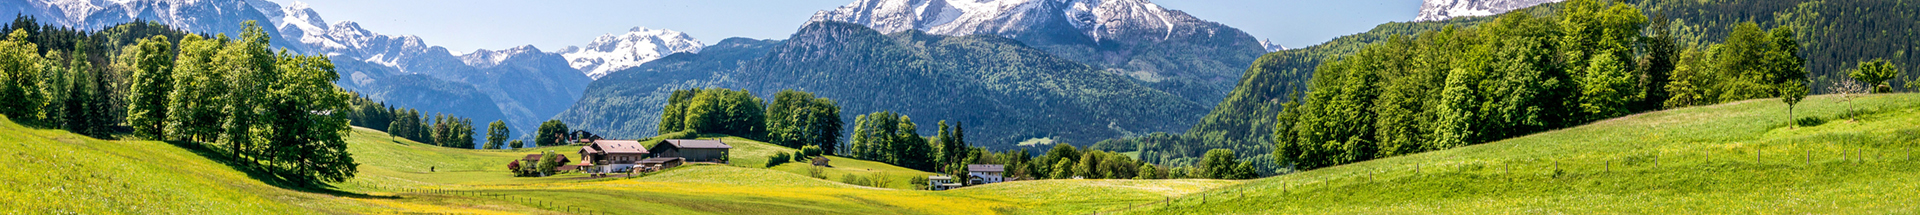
[1553, 169]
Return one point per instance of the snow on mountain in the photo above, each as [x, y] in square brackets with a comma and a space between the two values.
[490, 58]
[1097, 19]
[1271, 47]
[610, 53]
[204, 16]
[1434, 10]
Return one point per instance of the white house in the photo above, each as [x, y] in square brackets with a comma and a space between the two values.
[986, 173]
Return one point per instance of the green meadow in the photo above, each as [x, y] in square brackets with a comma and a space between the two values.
[1848, 156]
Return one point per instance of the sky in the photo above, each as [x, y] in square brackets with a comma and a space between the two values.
[465, 25]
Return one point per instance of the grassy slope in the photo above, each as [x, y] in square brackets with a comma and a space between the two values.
[54, 171]
[60, 172]
[1856, 167]
[398, 167]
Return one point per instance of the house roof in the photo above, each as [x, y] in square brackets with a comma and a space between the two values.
[662, 160]
[986, 168]
[536, 157]
[619, 146]
[699, 144]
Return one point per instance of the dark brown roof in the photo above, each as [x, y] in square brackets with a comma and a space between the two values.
[699, 144]
[536, 157]
[662, 160]
[986, 168]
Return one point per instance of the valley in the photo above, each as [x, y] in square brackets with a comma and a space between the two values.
[960, 107]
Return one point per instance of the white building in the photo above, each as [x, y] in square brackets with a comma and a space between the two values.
[986, 173]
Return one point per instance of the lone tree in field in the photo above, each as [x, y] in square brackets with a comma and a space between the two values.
[1875, 75]
[1792, 92]
[496, 134]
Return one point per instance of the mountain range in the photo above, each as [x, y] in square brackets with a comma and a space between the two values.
[1436, 10]
[1164, 49]
[522, 85]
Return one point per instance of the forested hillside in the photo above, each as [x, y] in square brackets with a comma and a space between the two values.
[626, 104]
[1833, 35]
[1006, 91]
[268, 111]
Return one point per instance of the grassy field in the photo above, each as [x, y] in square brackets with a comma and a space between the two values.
[1739, 158]
[1732, 158]
[54, 171]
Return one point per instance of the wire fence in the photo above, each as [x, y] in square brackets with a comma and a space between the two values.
[1512, 170]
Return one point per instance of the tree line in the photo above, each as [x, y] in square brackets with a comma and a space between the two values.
[434, 129]
[276, 112]
[1520, 74]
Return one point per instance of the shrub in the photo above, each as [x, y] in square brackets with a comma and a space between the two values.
[779, 158]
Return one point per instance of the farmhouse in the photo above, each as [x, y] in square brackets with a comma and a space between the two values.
[940, 182]
[566, 164]
[535, 158]
[612, 155]
[986, 173]
[692, 150]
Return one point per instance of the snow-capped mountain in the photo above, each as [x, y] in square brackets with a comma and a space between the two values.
[204, 16]
[401, 70]
[1434, 10]
[610, 53]
[1138, 38]
[1097, 19]
[1272, 47]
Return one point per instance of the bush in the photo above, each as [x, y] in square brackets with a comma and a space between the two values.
[779, 158]
[810, 151]
[870, 181]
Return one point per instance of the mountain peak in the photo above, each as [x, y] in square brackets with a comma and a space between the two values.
[608, 53]
[489, 58]
[1095, 19]
[1435, 10]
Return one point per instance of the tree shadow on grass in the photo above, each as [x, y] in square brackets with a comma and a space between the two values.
[257, 173]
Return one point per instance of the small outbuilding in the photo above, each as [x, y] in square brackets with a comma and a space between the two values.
[693, 150]
[941, 182]
[657, 164]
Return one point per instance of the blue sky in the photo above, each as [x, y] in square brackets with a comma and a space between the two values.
[465, 25]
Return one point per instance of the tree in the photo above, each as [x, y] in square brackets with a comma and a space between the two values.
[1062, 169]
[1791, 93]
[496, 134]
[1147, 171]
[548, 161]
[152, 80]
[516, 144]
[551, 133]
[309, 149]
[20, 78]
[1875, 74]
[1243, 171]
[1218, 164]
